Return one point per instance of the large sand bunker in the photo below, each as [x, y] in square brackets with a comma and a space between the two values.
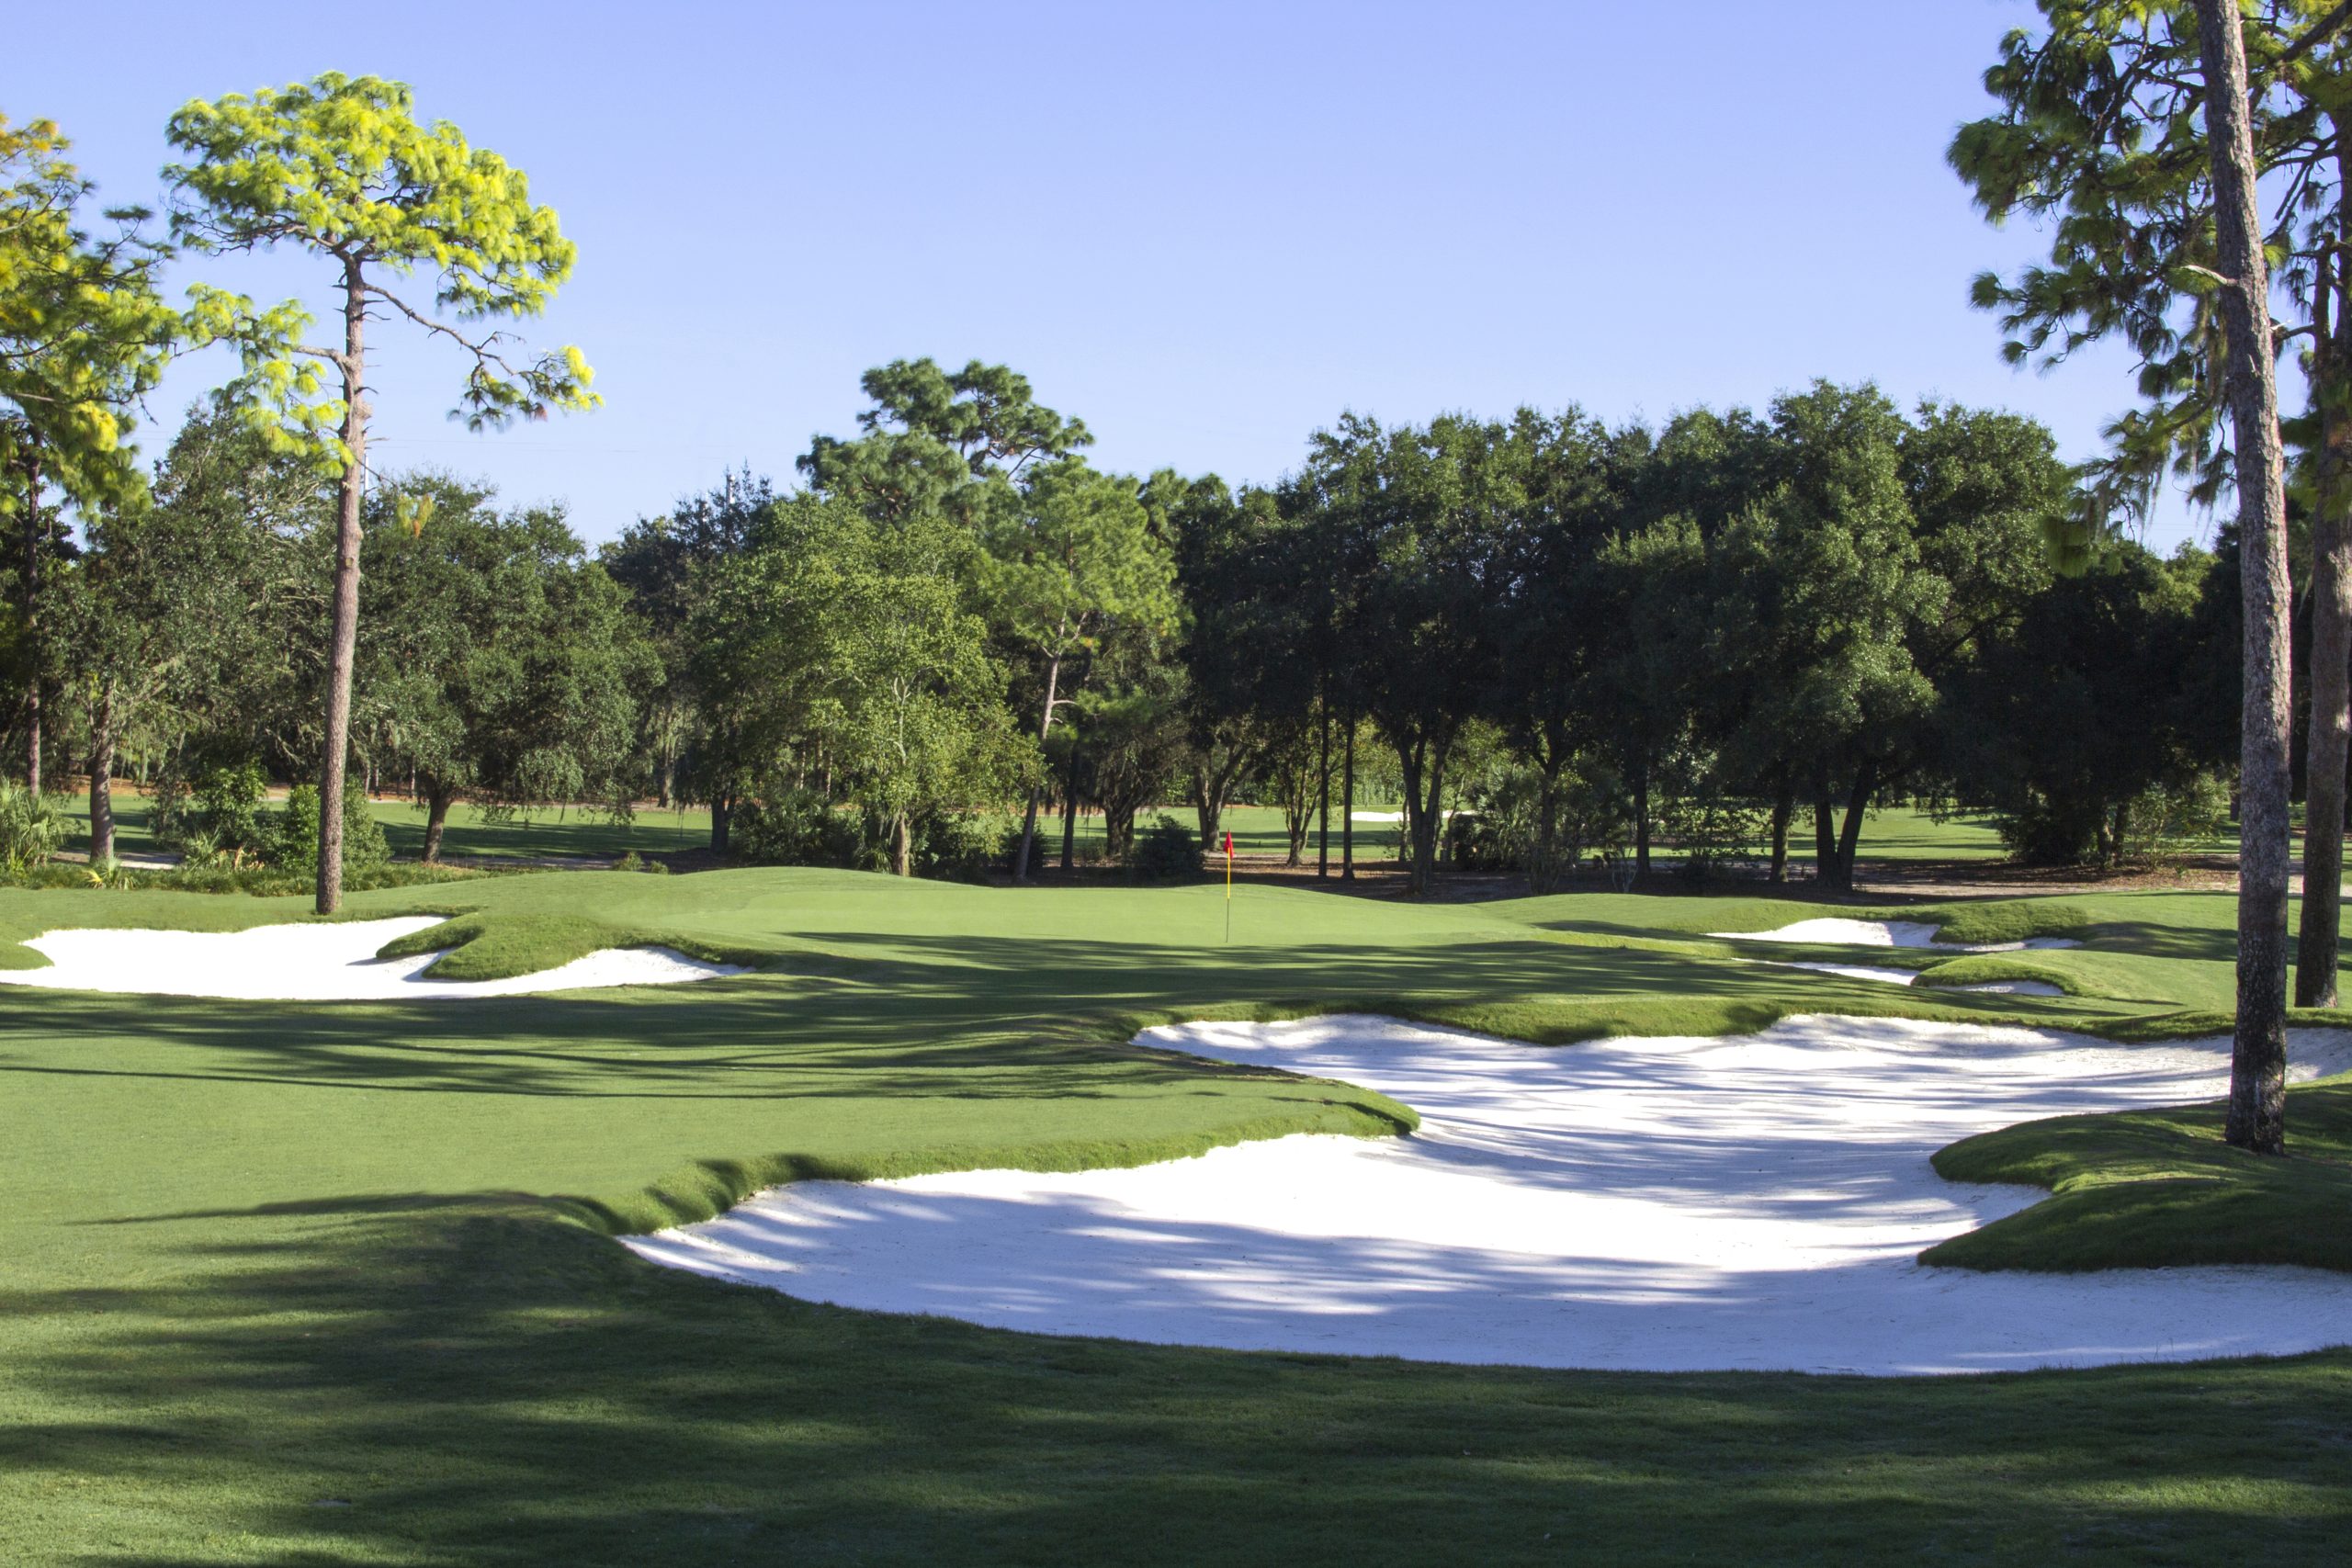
[1642, 1204]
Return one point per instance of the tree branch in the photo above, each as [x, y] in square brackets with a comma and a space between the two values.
[2317, 34]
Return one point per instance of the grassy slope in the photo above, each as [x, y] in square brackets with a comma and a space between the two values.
[2137, 1189]
[332, 1284]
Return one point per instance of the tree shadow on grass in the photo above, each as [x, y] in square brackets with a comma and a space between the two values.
[481, 1383]
[897, 1023]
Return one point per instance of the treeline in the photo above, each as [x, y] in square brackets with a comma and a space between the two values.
[951, 630]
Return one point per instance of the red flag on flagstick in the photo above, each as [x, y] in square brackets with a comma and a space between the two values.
[1228, 846]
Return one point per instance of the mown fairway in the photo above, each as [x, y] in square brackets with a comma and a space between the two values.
[333, 1283]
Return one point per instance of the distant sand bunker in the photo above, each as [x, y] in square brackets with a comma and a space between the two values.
[332, 960]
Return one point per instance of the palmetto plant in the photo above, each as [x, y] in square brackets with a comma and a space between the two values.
[30, 830]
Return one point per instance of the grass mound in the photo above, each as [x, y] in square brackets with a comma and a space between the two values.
[485, 946]
[2000, 920]
[1987, 968]
[2159, 1189]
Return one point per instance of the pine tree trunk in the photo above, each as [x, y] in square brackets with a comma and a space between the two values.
[1642, 818]
[1825, 834]
[342, 638]
[1784, 805]
[2258, 1113]
[102, 779]
[2330, 664]
[1348, 807]
[1323, 789]
[31, 585]
[902, 846]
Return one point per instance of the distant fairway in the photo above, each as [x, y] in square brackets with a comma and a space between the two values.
[565, 833]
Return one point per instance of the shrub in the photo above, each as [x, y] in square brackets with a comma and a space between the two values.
[294, 838]
[1165, 852]
[30, 830]
[959, 846]
[1711, 832]
[222, 809]
[797, 827]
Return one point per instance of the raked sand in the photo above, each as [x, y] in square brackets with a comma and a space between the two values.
[330, 961]
[1644, 1204]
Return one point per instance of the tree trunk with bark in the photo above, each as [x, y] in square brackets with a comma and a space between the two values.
[1838, 875]
[436, 820]
[1784, 805]
[2330, 664]
[30, 468]
[1642, 818]
[342, 638]
[1544, 875]
[902, 846]
[1348, 807]
[102, 777]
[2258, 1113]
[721, 811]
[1423, 765]
[1044, 728]
[1323, 789]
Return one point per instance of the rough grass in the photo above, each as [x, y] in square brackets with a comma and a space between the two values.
[293, 1284]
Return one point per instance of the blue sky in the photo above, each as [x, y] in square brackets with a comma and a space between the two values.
[1205, 229]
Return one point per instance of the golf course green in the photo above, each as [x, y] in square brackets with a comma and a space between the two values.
[334, 1282]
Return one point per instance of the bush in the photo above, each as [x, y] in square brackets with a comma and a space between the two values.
[1165, 852]
[797, 827]
[1711, 832]
[30, 830]
[220, 808]
[294, 838]
[959, 846]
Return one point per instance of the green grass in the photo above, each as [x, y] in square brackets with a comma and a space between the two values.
[2159, 1189]
[334, 1284]
[570, 833]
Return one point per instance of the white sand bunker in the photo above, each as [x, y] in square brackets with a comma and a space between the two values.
[1884, 933]
[1895, 933]
[1667, 1205]
[327, 962]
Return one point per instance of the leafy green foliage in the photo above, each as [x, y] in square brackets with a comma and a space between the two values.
[294, 833]
[1165, 851]
[497, 659]
[30, 830]
[341, 167]
[84, 332]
